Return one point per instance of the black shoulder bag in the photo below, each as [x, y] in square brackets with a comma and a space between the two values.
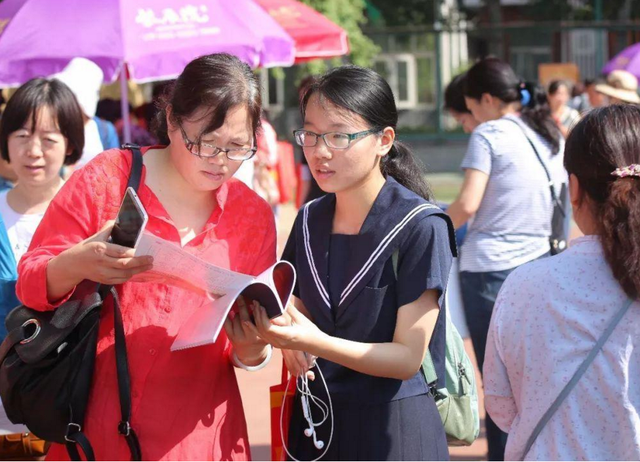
[47, 362]
[558, 238]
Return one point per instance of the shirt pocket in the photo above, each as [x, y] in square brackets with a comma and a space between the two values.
[371, 317]
[384, 278]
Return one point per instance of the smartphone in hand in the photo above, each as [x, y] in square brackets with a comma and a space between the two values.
[130, 222]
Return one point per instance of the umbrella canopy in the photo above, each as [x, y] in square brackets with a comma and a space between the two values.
[154, 38]
[315, 36]
[627, 60]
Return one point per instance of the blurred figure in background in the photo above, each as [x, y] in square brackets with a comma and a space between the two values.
[594, 98]
[42, 130]
[111, 111]
[84, 78]
[507, 190]
[7, 176]
[456, 106]
[579, 98]
[265, 180]
[146, 113]
[564, 116]
[621, 87]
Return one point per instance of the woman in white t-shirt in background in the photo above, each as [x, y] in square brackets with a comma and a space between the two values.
[506, 191]
[550, 314]
[40, 131]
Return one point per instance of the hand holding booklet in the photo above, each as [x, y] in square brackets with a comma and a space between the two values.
[173, 265]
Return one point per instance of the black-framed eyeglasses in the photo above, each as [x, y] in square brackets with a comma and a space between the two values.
[334, 140]
[209, 151]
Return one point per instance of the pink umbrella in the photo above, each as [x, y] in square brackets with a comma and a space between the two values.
[628, 60]
[153, 39]
[315, 36]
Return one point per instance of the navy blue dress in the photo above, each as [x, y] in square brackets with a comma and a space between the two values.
[353, 290]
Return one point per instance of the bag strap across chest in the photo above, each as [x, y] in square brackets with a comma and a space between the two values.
[75, 436]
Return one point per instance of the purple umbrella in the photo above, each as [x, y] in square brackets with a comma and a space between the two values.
[628, 60]
[153, 39]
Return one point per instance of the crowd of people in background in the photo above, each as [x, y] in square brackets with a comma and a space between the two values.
[528, 330]
[532, 318]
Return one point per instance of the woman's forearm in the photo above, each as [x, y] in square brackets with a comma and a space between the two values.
[459, 214]
[61, 277]
[392, 360]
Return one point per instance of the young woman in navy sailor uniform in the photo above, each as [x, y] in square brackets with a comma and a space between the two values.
[372, 258]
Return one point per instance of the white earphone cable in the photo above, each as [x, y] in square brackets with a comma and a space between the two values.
[326, 410]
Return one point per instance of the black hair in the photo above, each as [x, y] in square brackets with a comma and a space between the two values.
[606, 139]
[109, 110]
[363, 92]
[497, 78]
[305, 83]
[454, 95]
[218, 82]
[596, 81]
[58, 97]
[555, 85]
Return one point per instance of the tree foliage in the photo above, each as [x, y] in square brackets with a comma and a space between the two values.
[348, 14]
[405, 12]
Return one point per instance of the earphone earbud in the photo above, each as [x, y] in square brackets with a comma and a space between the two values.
[309, 432]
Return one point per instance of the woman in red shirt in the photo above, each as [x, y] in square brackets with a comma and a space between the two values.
[185, 405]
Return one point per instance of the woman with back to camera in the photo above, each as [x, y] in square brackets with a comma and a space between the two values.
[373, 257]
[185, 405]
[550, 314]
[506, 190]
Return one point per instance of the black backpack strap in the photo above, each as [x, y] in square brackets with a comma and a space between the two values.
[122, 363]
[76, 439]
[124, 381]
[75, 436]
[77, 406]
[136, 166]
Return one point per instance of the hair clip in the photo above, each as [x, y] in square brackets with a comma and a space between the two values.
[631, 170]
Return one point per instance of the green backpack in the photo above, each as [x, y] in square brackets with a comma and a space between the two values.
[458, 401]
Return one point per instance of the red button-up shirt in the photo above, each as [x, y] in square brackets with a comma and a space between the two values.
[185, 405]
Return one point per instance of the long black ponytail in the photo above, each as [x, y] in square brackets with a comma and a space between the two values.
[537, 114]
[363, 92]
[497, 78]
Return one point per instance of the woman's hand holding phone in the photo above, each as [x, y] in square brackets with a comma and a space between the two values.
[95, 259]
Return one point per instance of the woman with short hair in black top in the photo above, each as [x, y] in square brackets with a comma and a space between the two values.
[372, 258]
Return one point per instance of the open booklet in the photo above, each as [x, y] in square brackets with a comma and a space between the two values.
[173, 265]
